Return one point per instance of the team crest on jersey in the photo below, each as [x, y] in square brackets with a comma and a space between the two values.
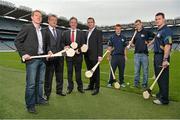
[158, 35]
[142, 35]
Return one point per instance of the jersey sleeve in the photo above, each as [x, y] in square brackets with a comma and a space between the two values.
[168, 37]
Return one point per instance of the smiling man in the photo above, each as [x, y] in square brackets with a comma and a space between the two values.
[30, 42]
[162, 48]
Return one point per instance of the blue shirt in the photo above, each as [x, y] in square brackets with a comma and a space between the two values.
[119, 43]
[140, 41]
[163, 37]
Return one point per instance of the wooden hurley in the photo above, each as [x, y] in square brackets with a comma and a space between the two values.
[89, 73]
[132, 39]
[66, 52]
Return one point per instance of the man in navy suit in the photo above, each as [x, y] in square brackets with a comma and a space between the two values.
[69, 36]
[53, 37]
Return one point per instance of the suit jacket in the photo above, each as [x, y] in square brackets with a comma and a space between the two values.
[54, 45]
[26, 41]
[79, 40]
[95, 47]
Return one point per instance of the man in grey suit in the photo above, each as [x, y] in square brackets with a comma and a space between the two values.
[30, 42]
[53, 37]
[69, 36]
[94, 54]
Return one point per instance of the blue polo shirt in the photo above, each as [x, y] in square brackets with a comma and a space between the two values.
[140, 41]
[119, 43]
[163, 37]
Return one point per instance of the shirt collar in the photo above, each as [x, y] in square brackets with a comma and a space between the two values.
[50, 27]
[118, 35]
[73, 30]
[91, 29]
[38, 27]
[162, 27]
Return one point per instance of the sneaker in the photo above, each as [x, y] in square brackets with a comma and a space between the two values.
[157, 101]
[144, 87]
[123, 85]
[109, 85]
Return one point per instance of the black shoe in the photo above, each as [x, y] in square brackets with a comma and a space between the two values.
[95, 92]
[61, 94]
[31, 110]
[69, 91]
[81, 90]
[88, 88]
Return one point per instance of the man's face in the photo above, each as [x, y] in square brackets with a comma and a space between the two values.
[52, 21]
[118, 30]
[73, 24]
[159, 20]
[37, 17]
[138, 25]
[90, 23]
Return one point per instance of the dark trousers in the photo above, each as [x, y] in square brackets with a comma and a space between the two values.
[95, 79]
[75, 62]
[54, 65]
[118, 61]
[163, 81]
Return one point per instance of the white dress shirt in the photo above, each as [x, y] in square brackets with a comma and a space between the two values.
[40, 39]
[89, 34]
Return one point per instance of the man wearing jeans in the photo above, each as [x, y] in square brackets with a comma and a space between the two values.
[141, 40]
[30, 42]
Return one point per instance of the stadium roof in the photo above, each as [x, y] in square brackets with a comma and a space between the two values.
[8, 9]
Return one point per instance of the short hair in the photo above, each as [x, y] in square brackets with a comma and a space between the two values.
[73, 18]
[51, 15]
[91, 18]
[160, 14]
[117, 25]
[138, 20]
[32, 14]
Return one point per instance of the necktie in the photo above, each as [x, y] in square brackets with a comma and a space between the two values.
[72, 36]
[54, 33]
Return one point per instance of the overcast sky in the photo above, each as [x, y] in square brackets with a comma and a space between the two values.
[106, 12]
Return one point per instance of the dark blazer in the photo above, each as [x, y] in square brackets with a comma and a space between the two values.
[95, 47]
[26, 41]
[52, 44]
[79, 40]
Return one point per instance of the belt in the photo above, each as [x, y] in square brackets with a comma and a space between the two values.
[158, 53]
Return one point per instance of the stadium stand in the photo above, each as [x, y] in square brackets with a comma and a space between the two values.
[12, 18]
[128, 30]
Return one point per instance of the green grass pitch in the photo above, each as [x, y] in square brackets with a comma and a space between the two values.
[110, 103]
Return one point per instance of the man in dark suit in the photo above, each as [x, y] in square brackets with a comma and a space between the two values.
[30, 42]
[94, 54]
[69, 36]
[55, 44]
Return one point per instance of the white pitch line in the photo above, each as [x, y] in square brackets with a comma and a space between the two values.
[131, 76]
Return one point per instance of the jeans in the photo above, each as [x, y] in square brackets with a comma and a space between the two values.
[35, 74]
[141, 59]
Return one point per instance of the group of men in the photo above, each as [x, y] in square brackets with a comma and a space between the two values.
[32, 40]
[141, 41]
